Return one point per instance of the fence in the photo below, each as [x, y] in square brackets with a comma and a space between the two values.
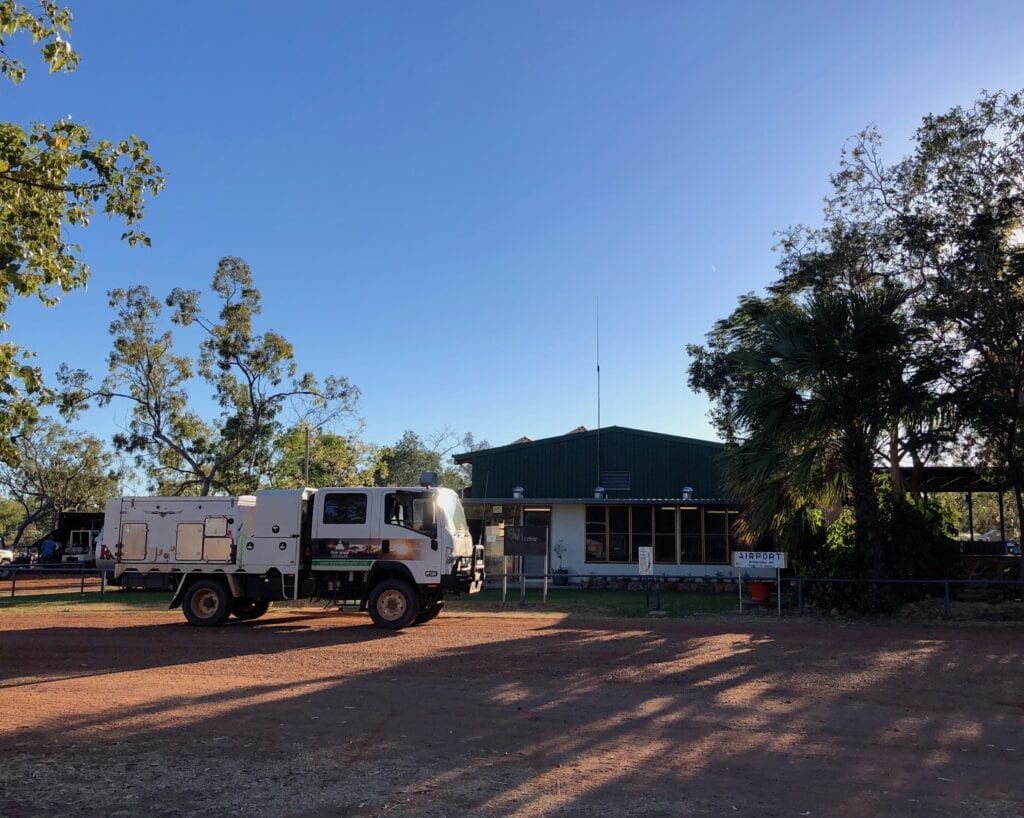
[791, 594]
[52, 579]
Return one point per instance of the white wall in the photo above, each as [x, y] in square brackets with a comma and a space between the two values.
[568, 524]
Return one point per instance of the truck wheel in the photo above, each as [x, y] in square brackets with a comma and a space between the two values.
[247, 607]
[430, 613]
[206, 603]
[393, 604]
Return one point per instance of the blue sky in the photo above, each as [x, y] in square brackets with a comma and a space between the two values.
[433, 196]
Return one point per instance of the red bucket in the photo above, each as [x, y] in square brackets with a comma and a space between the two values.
[760, 591]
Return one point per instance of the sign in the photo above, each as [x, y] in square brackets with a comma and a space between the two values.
[646, 557]
[759, 559]
[526, 540]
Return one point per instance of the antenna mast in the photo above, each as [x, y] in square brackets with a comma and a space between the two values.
[598, 359]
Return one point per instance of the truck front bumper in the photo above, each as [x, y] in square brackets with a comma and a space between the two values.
[467, 576]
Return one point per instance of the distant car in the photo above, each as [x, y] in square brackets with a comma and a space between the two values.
[1013, 548]
[6, 558]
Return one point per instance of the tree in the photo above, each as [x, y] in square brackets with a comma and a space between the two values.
[334, 459]
[53, 178]
[969, 165]
[803, 393]
[254, 377]
[952, 213]
[57, 469]
[944, 228]
[403, 463]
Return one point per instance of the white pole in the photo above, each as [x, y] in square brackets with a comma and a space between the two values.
[547, 562]
[739, 585]
[778, 587]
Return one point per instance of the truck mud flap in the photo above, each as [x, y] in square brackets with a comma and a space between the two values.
[178, 594]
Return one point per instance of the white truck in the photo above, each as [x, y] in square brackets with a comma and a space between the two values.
[394, 552]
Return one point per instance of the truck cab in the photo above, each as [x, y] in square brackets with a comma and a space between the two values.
[405, 538]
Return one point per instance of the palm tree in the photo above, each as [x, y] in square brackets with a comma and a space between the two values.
[807, 389]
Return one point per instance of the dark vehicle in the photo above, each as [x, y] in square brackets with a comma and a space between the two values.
[76, 533]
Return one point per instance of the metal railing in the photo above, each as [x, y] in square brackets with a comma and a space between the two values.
[14, 573]
[797, 585]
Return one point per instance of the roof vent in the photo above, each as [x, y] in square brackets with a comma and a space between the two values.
[599, 493]
[686, 492]
[517, 492]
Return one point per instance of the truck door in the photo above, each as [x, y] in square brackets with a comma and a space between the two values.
[408, 530]
[344, 524]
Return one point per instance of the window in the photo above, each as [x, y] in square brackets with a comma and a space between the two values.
[641, 526]
[618, 534]
[716, 536]
[133, 541]
[597, 534]
[690, 535]
[665, 535]
[345, 509]
[413, 511]
[615, 533]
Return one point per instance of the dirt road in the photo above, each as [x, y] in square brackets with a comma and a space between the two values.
[137, 713]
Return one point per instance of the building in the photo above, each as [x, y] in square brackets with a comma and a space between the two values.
[603, 494]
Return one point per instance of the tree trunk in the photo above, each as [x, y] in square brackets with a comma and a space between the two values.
[895, 477]
[867, 523]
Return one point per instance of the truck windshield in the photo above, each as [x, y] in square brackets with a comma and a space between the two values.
[454, 513]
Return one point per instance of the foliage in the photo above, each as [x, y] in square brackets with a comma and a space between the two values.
[254, 378]
[810, 388]
[404, 462]
[54, 178]
[56, 469]
[892, 334]
[334, 459]
[985, 514]
[919, 544]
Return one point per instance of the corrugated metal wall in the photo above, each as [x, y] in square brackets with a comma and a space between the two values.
[659, 465]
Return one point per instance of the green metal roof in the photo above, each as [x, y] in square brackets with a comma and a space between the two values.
[655, 465]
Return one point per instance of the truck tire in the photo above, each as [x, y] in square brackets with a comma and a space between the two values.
[393, 604]
[207, 602]
[248, 607]
[430, 613]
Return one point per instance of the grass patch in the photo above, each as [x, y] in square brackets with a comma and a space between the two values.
[587, 602]
[593, 602]
[114, 600]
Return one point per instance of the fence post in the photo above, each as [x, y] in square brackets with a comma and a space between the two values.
[14, 579]
[81, 588]
[800, 594]
[103, 583]
[948, 608]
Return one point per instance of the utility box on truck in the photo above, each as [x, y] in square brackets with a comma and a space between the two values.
[394, 552]
[158, 539]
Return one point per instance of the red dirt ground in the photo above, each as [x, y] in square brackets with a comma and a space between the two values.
[529, 715]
